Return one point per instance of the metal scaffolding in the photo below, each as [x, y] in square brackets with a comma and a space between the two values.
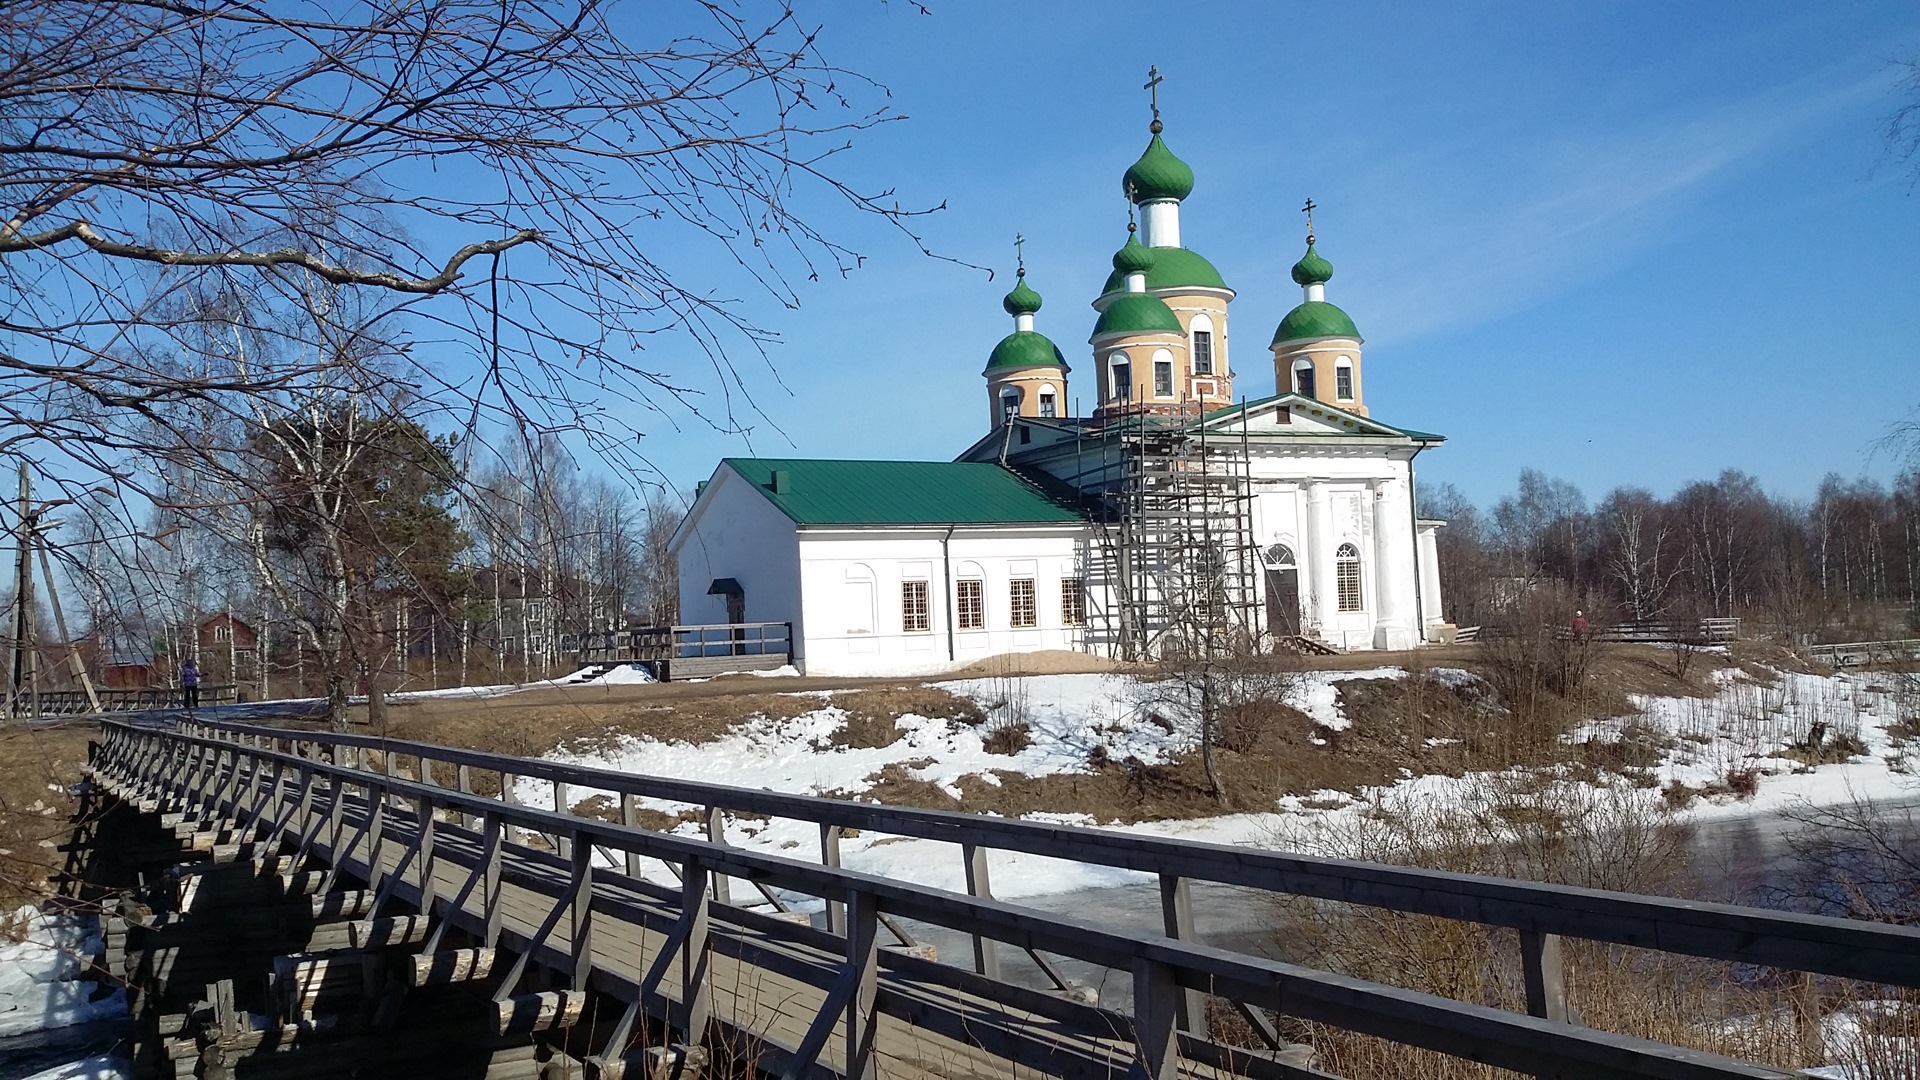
[1177, 534]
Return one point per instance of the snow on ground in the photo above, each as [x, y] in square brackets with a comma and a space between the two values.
[93, 1068]
[41, 969]
[624, 675]
[1744, 726]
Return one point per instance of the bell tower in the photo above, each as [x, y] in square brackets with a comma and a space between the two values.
[1026, 373]
[1316, 350]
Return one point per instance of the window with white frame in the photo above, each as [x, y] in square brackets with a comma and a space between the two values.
[970, 604]
[1343, 379]
[1047, 406]
[1120, 371]
[1163, 374]
[1346, 570]
[1303, 378]
[915, 613]
[1009, 400]
[1024, 613]
[223, 632]
[1073, 602]
[1202, 330]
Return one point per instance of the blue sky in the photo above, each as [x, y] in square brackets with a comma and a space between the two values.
[1623, 243]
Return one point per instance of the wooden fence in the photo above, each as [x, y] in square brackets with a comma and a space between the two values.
[388, 810]
[694, 651]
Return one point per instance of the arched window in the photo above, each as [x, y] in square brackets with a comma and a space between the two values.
[1009, 400]
[1280, 557]
[1346, 571]
[1303, 377]
[1201, 328]
[1120, 372]
[1047, 406]
[1343, 378]
[1162, 373]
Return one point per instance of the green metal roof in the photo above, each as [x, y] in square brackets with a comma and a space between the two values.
[1157, 175]
[1172, 268]
[1025, 349]
[900, 492]
[1133, 256]
[1312, 269]
[1022, 300]
[1137, 313]
[1315, 319]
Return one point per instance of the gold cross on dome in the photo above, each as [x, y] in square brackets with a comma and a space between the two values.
[1153, 87]
[1308, 210]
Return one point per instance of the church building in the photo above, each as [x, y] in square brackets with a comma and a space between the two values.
[1176, 517]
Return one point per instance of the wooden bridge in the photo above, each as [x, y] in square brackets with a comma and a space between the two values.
[307, 904]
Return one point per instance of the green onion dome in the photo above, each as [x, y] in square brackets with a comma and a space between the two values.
[1134, 258]
[1137, 313]
[1022, 300]
[1315, 319]
[1173, 268]
[1025, 349]
[1312, 269]
[1158, 175]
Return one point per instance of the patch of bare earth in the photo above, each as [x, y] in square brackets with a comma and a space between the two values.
[532, 728]
[38, 767]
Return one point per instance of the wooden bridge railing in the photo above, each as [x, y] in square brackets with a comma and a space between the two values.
[1858, 653]
[275, 777]
[130, 699]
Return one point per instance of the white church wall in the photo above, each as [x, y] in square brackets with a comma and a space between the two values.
[853, 583]
[736, 533]
[1348, 488]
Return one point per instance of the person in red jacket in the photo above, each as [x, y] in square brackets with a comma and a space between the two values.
[1580, 625]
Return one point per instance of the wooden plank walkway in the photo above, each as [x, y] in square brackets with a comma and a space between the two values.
[553, 891]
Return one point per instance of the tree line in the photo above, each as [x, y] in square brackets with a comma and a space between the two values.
[1842, 565]
[360, 550]
[302, 302]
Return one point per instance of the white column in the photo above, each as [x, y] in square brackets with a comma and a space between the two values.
[1393, 566]
[1316, 560]
[1160, 223]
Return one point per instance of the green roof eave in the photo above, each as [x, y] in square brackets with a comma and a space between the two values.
[1137, 313]
[1025, 349]
[1173, 268]
[901, 493]
[1314, 320]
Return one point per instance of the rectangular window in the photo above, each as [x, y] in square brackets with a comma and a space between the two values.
[915, 614]
[1203, 352]
[1046, 404]
[1024, 613]
[1347, 576]
[1163, 378]
[972, 605]
[1343, 382]
[1073, 603]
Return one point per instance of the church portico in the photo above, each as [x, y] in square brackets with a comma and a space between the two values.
[1171, 513]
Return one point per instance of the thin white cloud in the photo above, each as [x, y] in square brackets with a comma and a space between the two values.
[1483, 231]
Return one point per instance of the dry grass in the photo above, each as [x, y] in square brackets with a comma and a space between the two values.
[38, 766]
[1619, 839]
[531, 729]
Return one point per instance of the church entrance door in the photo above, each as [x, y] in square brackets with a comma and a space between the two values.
[1283, 591]
[1283, 602]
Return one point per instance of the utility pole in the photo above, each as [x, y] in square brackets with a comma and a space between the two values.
[23, 676]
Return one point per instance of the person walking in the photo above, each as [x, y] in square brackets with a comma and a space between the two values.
[1580, 626]
[189, 685]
